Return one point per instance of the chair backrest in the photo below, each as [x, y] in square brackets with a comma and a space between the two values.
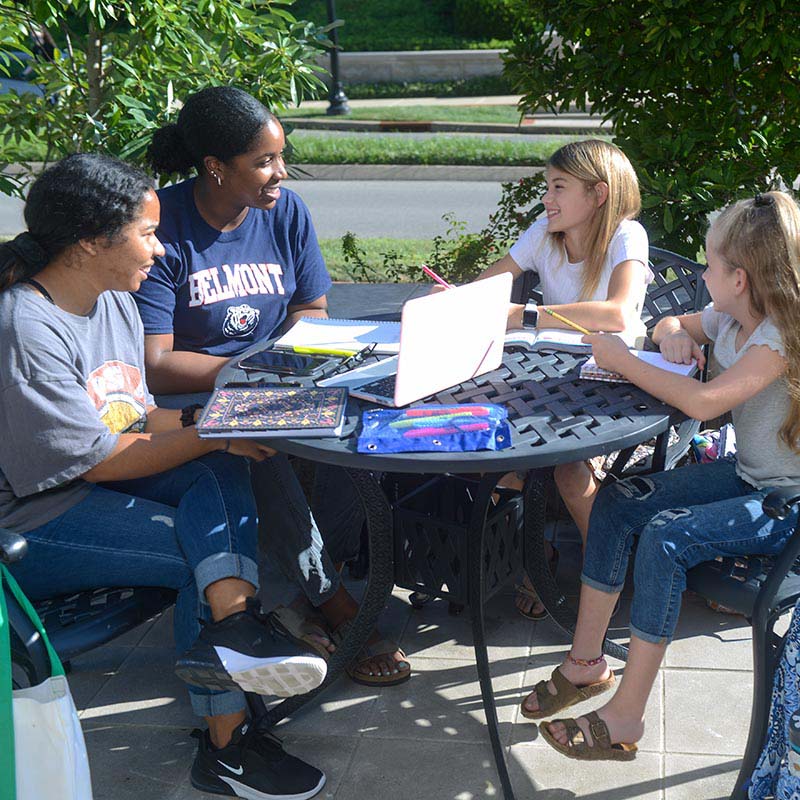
[676, 287]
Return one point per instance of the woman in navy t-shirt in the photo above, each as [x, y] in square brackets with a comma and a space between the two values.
[242, 262]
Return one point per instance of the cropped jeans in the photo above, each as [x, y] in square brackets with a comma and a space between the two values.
[682, 517]
[182, 529]
[305, 551]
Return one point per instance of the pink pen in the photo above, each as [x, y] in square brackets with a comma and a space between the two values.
[433, 276]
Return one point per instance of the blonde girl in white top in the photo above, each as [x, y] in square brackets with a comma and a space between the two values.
[592, 261]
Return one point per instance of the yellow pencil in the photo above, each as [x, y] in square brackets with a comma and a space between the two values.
[565, 320]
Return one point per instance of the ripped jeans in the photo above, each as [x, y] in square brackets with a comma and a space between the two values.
[682, 517]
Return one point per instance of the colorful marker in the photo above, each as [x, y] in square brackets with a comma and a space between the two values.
[471, 426]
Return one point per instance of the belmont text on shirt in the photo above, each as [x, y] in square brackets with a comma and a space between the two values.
[215, 284]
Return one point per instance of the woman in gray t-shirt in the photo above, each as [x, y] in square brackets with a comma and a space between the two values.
[110, 490]
[696, 513]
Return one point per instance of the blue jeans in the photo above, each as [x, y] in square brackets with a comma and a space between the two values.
[182, 529]
[682, 518]
[304, 555]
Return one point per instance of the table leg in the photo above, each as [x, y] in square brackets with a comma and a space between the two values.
[477, 524]
[563, 613]
[379, 586]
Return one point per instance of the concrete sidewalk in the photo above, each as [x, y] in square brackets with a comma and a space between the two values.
[427, 739]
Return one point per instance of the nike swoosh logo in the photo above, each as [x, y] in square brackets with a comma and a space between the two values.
[227, 766]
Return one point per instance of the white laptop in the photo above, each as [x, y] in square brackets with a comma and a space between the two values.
[445, 339]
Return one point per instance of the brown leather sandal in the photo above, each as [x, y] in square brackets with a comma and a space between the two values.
[372, 650]
[567, 694]
[577, 747]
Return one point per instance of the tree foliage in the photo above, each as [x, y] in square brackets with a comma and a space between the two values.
[121, 67]
[704, 96]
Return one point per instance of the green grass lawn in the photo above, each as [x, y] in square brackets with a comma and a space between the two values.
[442, 149]
[409, 251]
[508, 115]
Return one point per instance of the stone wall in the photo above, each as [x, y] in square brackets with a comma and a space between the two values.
[416, 65]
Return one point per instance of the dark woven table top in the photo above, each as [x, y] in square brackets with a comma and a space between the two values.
[555, 417]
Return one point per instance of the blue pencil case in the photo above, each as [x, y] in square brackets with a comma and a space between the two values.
[432, 428]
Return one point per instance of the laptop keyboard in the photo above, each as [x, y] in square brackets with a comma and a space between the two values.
[383, 387]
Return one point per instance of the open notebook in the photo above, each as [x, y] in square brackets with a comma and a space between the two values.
[342, 334]
[561, 340]
[591, 372]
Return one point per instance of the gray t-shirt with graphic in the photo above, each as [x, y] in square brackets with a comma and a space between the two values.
[763, 458]
[70, 385]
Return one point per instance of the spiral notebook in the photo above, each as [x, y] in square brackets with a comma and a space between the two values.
[591, 372]
[273, 411]
[342, 334]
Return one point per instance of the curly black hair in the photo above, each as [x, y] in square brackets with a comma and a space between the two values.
[82, 197]
[219, 121]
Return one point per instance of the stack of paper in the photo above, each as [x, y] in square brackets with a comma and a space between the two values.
[342, 334]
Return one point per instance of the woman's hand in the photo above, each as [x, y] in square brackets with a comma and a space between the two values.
[249, 448]
[679, 348]
[609, 350]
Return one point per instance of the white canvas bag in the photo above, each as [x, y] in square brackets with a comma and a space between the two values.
[42, 751]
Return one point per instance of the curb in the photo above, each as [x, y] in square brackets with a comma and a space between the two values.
[389, 172]
[531, 126]
[407, 172]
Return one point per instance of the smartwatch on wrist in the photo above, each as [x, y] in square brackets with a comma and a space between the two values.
[530, 317]
[187, 414]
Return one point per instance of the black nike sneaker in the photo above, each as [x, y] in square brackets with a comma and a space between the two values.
[247, 651]
[255, 766]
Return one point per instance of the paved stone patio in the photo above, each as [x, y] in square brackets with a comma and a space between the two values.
[427, 739]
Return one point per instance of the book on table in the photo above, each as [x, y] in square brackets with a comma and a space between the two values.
[342, 334]
[273, 411]
[591, 372]
[561, 340]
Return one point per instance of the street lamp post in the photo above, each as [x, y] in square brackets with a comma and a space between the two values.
[337, 99]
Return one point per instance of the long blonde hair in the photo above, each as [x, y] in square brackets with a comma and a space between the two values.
[592, 161]
[762, 237]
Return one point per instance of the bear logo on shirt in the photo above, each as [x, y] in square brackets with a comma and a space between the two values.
[240, 320]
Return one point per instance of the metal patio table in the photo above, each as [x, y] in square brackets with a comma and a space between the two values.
[555, 418]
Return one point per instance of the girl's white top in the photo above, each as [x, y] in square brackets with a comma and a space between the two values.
[763, 459]
[561, 281]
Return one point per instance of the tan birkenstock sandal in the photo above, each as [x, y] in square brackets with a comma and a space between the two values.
[567, 694]
[372, 650]
[577, 747]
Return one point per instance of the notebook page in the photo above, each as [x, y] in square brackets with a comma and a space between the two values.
[342, 334]
[591, 371]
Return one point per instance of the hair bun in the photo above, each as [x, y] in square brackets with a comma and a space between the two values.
[167, 152]
[26, 248]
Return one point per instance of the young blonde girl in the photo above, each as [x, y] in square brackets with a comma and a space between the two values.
[592, 261]
[696, 513]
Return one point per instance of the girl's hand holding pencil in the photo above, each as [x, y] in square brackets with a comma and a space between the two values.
[609, 350]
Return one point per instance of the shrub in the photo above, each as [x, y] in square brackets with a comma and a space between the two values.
[484, 18]
[120, 68]
[704, 97]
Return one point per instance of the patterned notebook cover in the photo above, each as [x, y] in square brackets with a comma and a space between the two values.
[274, 411]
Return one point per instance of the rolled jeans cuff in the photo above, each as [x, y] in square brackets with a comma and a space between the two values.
[218, 703]
[224, 565]
[601, 587]
[649, 637]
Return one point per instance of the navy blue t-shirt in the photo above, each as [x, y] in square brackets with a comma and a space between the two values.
[218, 292]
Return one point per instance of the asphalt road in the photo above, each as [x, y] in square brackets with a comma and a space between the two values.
[395, 209]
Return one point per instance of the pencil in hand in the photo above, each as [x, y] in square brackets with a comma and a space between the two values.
[566, 321]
